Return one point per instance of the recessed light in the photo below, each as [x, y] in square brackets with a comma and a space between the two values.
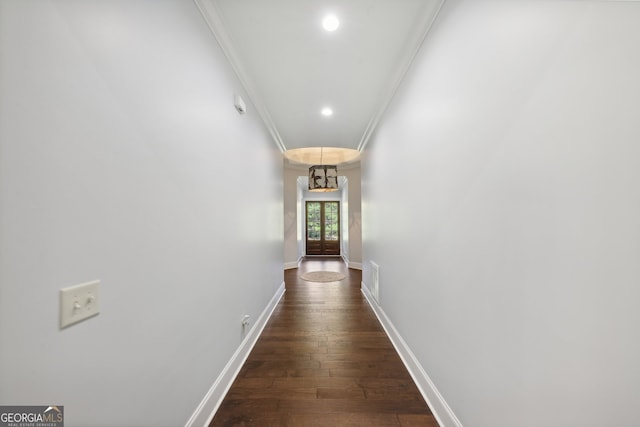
[330, 22]
[326, 111]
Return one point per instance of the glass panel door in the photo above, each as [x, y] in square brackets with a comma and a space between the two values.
[314, 220]
[331, 221]
[323, 228]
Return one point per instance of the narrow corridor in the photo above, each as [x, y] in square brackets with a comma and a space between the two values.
[323, 360]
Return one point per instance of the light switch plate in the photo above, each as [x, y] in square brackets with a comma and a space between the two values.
[79, 302]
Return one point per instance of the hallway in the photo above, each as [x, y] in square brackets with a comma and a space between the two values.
[323, 359]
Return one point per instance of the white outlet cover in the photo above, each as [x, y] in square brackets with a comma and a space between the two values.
[79, 302]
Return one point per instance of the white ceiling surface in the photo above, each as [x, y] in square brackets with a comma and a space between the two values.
[292, 68]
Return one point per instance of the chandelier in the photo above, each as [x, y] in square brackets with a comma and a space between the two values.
[323, 178]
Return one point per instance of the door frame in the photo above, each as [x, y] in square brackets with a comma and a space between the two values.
[323, 243]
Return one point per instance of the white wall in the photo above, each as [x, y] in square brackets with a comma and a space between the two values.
[344, 218]
[292, 195]
[354, 219]
[500, 199]
[122, 159]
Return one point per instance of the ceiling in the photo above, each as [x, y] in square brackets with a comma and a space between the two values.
[292, 67]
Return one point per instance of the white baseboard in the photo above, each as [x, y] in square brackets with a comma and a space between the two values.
[441, 411]
[204, 413]
[290, 265]
[351, 264]
[355, 265]
[293, 264]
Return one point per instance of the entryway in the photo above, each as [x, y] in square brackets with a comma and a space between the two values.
[323, 227]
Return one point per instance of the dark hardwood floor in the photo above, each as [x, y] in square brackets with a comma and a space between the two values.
[323, 360]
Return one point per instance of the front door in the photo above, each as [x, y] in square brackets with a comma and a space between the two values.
[323, 228]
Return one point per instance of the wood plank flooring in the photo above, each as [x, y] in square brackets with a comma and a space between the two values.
[323, 360]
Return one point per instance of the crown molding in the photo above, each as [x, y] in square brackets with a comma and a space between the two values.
[214, 21]
[385, 100]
